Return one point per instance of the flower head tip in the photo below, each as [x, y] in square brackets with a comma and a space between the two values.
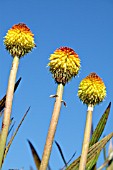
[19, 40]
[64, 64]
[92, 89]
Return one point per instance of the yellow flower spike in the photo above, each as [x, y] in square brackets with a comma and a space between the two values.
[64, 64]
[19, 40]
[92, 89]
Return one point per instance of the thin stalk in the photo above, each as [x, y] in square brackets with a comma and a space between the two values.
[86, 140]
[8, 107]
[103, 165]
[110, 156]
[52, 128]
[110, 167]
[104, 152]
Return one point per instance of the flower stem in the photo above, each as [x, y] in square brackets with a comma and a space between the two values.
[52, 128]
[8, 107]
[86, 140]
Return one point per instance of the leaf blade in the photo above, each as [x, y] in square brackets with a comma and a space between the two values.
[100, 126]
[12, 138]
[93, 151]
[36, 157]
[61, 153]
[2, 101]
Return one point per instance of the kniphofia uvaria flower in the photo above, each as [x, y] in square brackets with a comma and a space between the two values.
[19, 41]
[64, 65]
[92, 91]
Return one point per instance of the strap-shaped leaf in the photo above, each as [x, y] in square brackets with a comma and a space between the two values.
[61, 153]
[92, 153]
[2, 101]
[12, 138]
[62, 156]
[96, 135]
[100, 126]
[35, 155]
[91, 164]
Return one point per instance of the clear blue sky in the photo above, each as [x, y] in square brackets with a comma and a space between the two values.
[85, 26]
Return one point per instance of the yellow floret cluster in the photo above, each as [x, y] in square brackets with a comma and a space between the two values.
[19, 40]
[64, 64]
[92, 89]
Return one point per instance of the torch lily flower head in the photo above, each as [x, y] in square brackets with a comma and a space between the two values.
[19, 40]
[64, 64]
[92, 90]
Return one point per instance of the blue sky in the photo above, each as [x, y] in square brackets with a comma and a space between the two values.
[85, 26]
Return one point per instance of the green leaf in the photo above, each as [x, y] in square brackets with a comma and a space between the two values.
[12, 138]
[96, 135]
[61, 153]
[92, 153]
[100, 126]
[36, 157]
[2, 101]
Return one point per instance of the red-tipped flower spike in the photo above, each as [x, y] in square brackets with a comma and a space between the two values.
[19, 40]
[92, 89]
[64, 64]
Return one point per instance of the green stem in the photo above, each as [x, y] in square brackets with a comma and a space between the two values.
[52, 128]
[86, 141]
[8, 107]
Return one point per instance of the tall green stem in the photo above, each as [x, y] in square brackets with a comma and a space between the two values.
[8, 107]
[86, 141]
[52, 128]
